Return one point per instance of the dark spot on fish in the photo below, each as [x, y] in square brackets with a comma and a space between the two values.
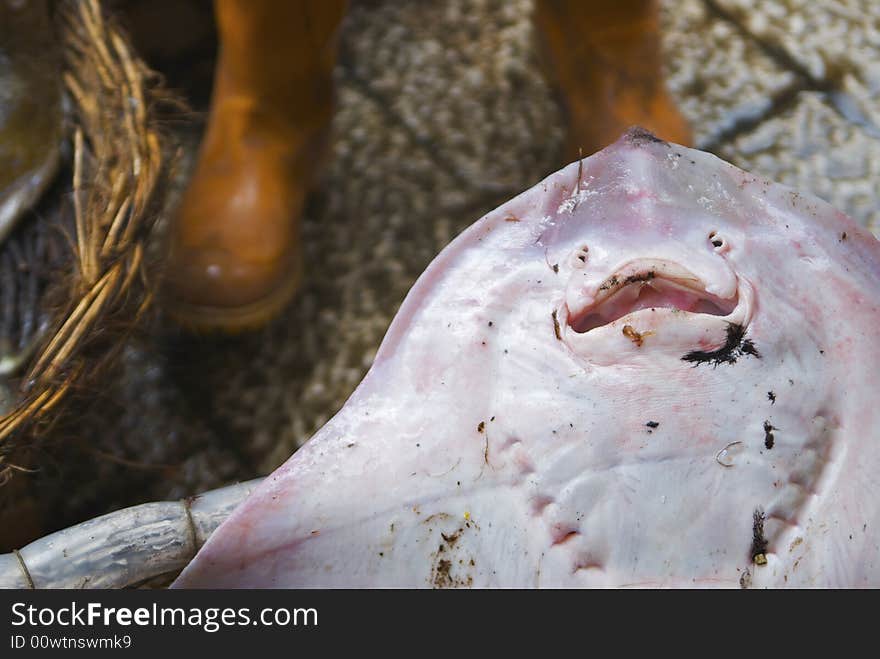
[768, 435]
[748, 348]
[481, 426]
[608, 283]
[759, 542]
[638, 136]
[492, 419]
[735, 347]
[555, 267]
[652, 424]
[556, 327]
[821, 352]
[490, 323]
[441, 574]
[644, 276]
[771, 397]
[452, 538]
[843, 236]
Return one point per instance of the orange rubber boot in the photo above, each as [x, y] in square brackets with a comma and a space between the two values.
[605, 60]
[235, 258]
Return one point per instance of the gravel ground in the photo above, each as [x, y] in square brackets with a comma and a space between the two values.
[443, 113]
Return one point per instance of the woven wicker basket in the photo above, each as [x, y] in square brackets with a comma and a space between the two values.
[105, 206]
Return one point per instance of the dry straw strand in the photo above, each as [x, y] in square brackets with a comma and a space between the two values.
[118, 168]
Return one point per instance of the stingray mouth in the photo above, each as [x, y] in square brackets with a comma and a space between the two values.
[649, 288]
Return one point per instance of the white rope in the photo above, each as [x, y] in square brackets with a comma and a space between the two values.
[123, 548]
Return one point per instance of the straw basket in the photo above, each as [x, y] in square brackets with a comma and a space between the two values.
[74, 275]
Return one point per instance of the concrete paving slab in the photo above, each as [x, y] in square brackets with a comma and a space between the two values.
[719, 77]
[811, 147]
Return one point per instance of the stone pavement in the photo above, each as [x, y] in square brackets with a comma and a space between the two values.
[787, 88]
[443, 114]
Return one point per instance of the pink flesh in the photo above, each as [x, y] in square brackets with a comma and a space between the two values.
[501, 438]
[656, 294]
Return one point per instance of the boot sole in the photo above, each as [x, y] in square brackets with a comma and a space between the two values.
[234, 320]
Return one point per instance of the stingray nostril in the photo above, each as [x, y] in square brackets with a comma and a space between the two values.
[716, 240]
